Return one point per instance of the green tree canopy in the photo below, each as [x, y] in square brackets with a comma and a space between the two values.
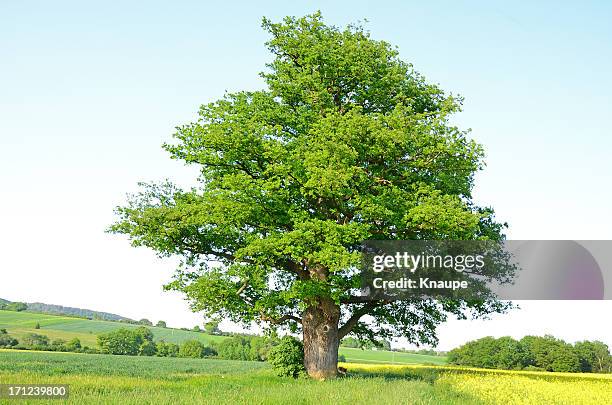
[212, 327]
[347, 142]
[194, 349]
[545, 353]
[127, 342]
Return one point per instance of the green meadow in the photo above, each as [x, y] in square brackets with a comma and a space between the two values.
[353, 355]
[142, 380]
[374, 376]
[61, 327]
[159, 380]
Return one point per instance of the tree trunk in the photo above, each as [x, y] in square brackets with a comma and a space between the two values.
[320, 327]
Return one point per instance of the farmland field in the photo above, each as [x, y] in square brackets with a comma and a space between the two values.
[63, 327]
[136, 380]
[387, 357]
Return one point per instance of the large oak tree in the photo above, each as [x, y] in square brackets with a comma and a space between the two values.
[346, 143]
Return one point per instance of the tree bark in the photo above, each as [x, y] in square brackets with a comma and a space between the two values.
[320, 328]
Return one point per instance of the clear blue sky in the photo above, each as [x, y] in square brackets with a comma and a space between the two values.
[88, 92]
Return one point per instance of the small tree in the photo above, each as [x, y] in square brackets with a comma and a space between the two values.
[37, 325]
[192, 348]
[146, 322]
[236, 348]
[260, 347]
[16, 306]
[8, 341]
[510, 354]
[287, 357]
[551, 354]
[33, 339]
[161, 324]
[164, 349]
[73, 345]
[212, 327]
[147, 348]
[172, 350]
[58, 345]
[350, 342]
[144, 333]
[127, 341]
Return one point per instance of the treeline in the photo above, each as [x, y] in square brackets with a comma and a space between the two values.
[427, 352]
[384, 345]
[60, 310]
[139, 342]
[35, 341]
[365, 344]
[75, 312]
[13, 306]
[535, 353]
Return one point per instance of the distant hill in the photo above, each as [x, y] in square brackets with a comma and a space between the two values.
[71, 311]
[18, 324]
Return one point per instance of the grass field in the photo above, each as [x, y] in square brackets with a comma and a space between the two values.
[143, 380]
[62, 327]
[386, 357]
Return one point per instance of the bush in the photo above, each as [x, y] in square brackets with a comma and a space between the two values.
[73, 345]
[127, 342]
[7, 341]
[287, 358]
[210, 351]
[88, 350]
[259, 348]
[212, 327]
[58, 345]
[164, 349]
[34, 340]
[235, 348]
[147, 348]
[533, 368]
[16, 306]
[342, 358]
[193, 349]
[39, 347]
[246, 347]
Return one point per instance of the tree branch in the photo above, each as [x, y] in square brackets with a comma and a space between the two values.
[243, 287]
[278, 321]
[355, 299]
[352, 321]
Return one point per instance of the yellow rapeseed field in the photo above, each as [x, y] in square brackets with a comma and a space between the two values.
[507, 387]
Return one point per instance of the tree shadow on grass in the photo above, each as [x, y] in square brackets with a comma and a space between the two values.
[429, 376]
